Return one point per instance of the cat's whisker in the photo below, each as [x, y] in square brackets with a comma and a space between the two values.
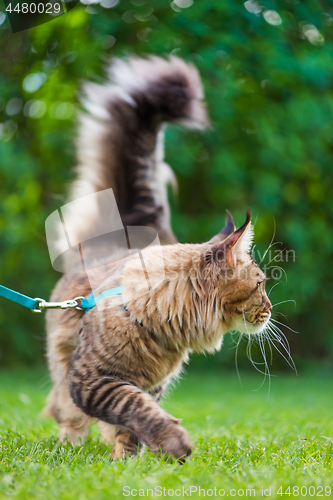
[236, 359]
[276, 321]
[245, 320]
[233, 334]
[283, 302]
[269, 379]
[277, 255]
[279, 332]
[249, 354]
[281, 268]
[289, 360]
[267, 372]
[281, 314]
[276, 337]
[263, 352]
[272, 334]
[255, 364]
[269, 345]
[271, 243]
[276, 284]
[280, 337]
[268, 249]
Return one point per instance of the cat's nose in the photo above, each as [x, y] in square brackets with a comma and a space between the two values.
[267, 304]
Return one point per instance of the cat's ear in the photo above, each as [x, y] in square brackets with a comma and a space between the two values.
[228, 229]
[234, 245]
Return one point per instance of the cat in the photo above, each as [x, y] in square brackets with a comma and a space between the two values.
[114, 362]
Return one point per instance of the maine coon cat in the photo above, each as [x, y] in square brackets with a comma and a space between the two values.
[114, 362]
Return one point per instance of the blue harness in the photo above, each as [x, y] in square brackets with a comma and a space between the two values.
[91, 301]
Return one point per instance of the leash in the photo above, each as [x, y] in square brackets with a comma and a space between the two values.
[38, 305]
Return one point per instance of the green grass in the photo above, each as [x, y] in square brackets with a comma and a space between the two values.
[242, 441]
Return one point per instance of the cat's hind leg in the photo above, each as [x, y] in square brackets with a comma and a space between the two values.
[73, 423]
[108, 432]
[125, 442]
[61, 342]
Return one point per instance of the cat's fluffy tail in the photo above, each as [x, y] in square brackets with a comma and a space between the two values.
[120, 140]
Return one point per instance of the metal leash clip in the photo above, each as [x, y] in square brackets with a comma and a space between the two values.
[66, 304]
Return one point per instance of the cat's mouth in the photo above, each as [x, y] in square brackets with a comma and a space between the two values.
[252, 322]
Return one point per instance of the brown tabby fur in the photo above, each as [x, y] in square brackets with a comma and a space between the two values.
[114, 363]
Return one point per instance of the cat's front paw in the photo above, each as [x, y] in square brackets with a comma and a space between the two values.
[174, 441]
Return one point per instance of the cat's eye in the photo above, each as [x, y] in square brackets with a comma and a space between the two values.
[259, 283]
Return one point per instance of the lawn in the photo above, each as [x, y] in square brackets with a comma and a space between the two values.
[243, 442]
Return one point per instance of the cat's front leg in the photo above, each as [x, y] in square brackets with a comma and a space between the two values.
[125, 442]
[118, 402]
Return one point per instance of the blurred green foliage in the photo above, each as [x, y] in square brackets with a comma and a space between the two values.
[267, 70]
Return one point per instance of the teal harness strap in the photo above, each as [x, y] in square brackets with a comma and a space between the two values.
[90, 302]
[19, 298]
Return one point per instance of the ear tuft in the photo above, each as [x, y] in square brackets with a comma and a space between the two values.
[245, 241]
[228, 229]
[235, 245]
